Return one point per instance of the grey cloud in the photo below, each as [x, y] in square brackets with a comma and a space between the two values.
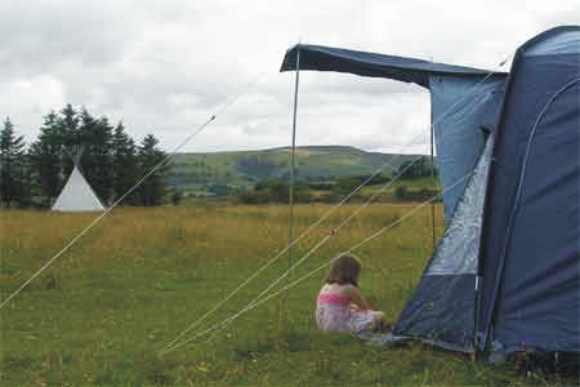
[165, 67]
[50, 34]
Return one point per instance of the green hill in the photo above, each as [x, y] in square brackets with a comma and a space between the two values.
[241, 170]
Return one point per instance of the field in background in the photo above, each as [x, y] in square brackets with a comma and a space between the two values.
[101, 313]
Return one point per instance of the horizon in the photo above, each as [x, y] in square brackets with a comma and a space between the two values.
[302, 147]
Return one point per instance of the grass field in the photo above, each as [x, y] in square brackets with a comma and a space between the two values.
[102, 312]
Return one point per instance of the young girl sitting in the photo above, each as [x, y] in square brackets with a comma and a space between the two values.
[340, 306]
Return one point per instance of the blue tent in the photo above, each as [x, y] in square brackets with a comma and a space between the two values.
[505, 276]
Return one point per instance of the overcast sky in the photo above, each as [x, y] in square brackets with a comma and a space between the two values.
[164, 67]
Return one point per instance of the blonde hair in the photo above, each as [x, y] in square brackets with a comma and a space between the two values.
[344, 270]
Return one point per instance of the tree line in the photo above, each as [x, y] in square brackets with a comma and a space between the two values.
[276, 190]
[111, 161]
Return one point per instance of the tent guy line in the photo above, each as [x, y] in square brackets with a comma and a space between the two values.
[345, 221]
[321, 243]
[441, 116]
[305, 233]
[335, 230]
[159, 165]
[378, 233]
[100, 217]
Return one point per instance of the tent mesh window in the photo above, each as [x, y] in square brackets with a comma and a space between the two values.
[442, 309]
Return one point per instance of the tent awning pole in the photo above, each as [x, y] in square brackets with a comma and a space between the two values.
[293, 159]
[432, 161]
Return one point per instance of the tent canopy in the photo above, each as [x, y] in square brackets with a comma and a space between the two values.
[370, 64]
[464, 101]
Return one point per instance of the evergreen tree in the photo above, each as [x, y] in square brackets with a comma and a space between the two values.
[69, 140]
[12, 166]
[95, 137]
[45, 158]
[125, 165]
[153, 188]
[51, 154]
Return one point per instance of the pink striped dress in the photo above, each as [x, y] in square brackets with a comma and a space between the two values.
[336, 313]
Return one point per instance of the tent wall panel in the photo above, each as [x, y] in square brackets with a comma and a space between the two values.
[530, 257]
[441, 312]
[463, 112]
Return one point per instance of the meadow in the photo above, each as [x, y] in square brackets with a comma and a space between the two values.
[101, 314]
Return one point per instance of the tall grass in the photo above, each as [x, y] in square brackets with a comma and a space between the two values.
[102, 312]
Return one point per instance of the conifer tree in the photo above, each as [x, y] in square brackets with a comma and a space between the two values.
[45, 158]
[12, 166]
[152, 189]
[69, 140]
[126, 166]
[95, 137]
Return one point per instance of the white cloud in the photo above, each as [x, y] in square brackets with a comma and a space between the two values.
[165, 67]
[20, 101]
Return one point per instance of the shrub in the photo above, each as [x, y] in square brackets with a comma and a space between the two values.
[401, 192]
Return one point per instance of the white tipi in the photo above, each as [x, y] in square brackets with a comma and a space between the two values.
[77, 195]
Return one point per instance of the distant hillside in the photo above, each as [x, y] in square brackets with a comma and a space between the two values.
[241, 170]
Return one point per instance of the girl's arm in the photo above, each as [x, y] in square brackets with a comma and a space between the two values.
[357, 298]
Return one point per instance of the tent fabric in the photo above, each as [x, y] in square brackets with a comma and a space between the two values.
[321, 58]
[77, 195]
[441, 312]
[530, 256]
[464, 111]
[442, 309]
[458, 250]
[564, 40]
